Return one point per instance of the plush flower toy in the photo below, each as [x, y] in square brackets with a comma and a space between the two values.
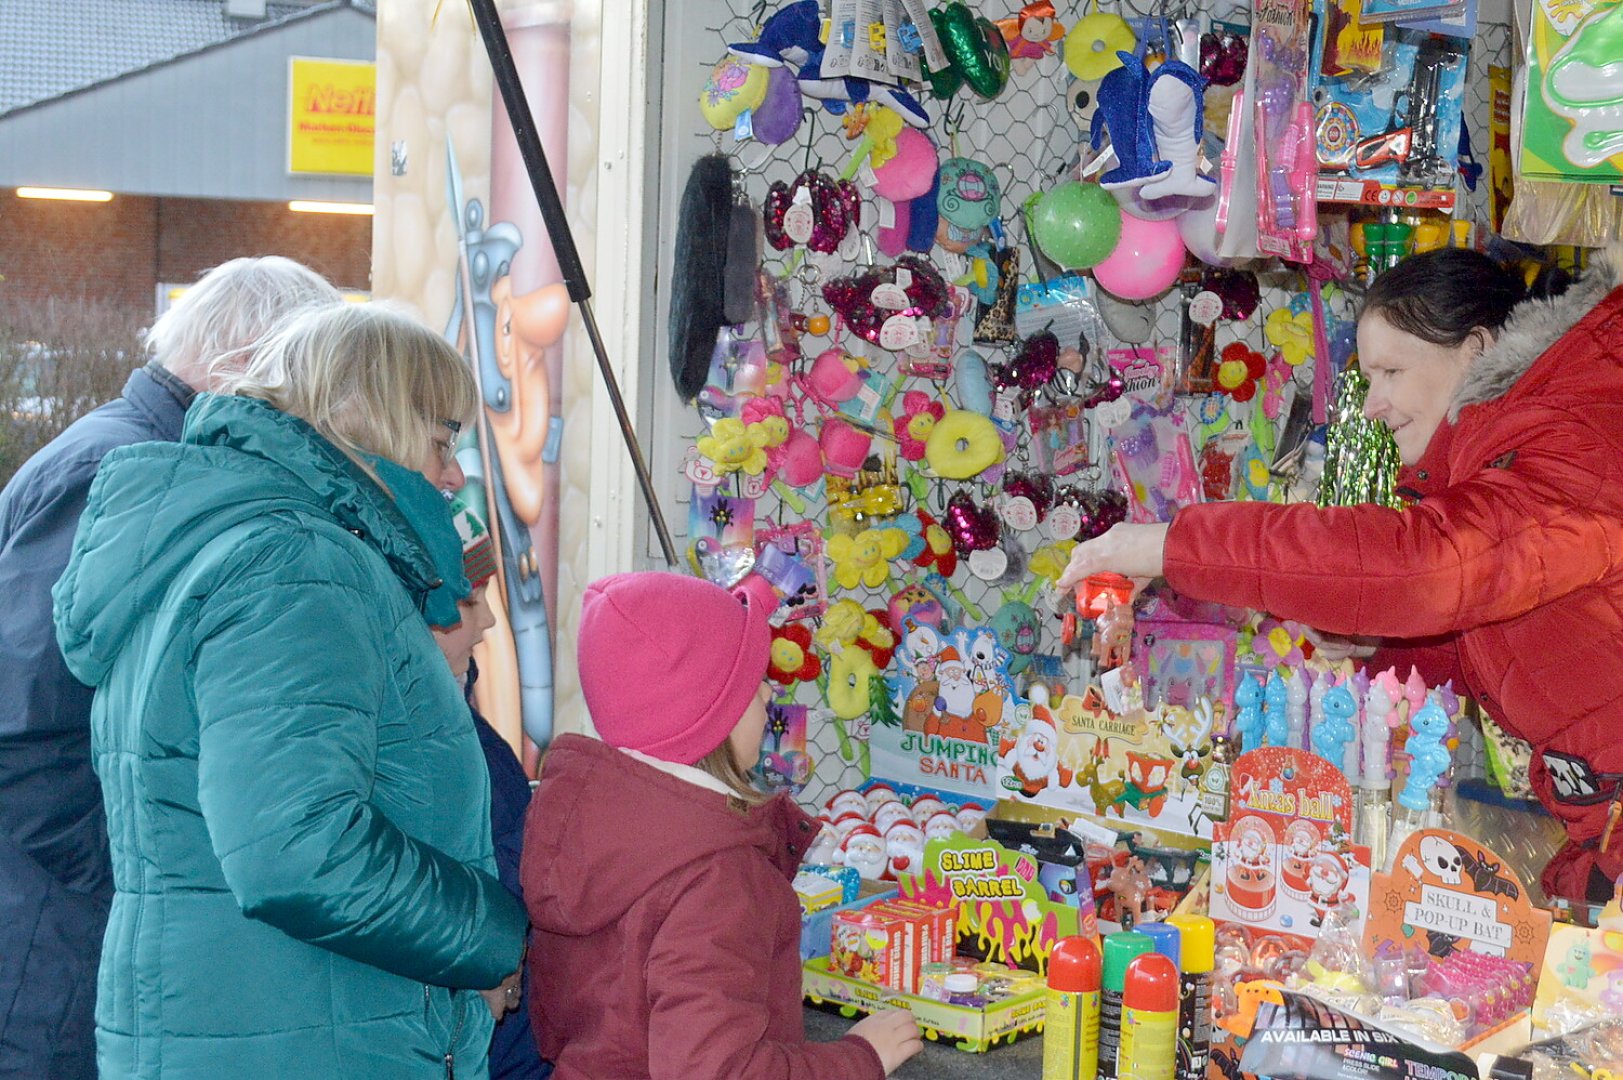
[919, 415]
[878, 637]
[928, 543]
[792, 657]
[865, 558]
[842, 625]
[1291, 333]
[849, 672]
[737, 446]
[1240, 370]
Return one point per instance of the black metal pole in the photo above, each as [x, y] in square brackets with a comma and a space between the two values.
[563, 242]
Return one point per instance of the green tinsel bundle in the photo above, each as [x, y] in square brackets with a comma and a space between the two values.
[1360, 457]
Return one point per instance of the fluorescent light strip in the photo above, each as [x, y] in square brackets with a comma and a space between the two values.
[66, 194]
[306, 206]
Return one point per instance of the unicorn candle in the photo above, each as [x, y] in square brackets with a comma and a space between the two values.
[1336, 730]
[1276, 727]
[1428, 760]
[1248, 718]
[1296, 708]
[1374, 820]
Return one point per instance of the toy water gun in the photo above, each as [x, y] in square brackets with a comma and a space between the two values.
[1410, 138]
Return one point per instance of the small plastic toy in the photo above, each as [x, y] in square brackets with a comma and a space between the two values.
[1332, 734]
[1428, 757]
[1296, 693]
[1248, 721]
[1276, 724]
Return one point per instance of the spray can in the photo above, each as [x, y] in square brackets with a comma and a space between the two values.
[1120, 950]
[1198, 956]
[1149, 1020]
[1166, 939]
[1071, 1033]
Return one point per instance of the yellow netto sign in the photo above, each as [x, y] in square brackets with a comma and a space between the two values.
[332, 113]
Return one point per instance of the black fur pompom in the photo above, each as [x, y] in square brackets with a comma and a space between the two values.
[697, 277]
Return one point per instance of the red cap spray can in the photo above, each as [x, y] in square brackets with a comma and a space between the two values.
[1071, 1033]
[1149, 1020]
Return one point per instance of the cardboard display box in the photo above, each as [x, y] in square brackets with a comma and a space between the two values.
[970, 1030]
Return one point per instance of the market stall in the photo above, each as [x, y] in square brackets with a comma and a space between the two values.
[956, 289]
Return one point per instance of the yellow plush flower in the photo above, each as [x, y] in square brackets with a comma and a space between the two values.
[1049, 561]
[842, 625]
[735, 446]
[883, 127]
[865, 558]
[1291, 334]
[730, 447]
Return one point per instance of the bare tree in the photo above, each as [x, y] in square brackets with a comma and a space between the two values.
[57, 362]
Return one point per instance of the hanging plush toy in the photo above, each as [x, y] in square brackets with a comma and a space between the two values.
[698, 285]
[791, 37]
[975, 48]
[815, 210]
[1177, 122]
[1123, 114]
[1031, 34]
[871, 300]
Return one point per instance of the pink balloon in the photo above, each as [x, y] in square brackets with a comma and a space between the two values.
[1146, 261]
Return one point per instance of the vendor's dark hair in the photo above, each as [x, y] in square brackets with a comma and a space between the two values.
[1441, 296]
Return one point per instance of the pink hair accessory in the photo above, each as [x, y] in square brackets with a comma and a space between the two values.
[833, 377]
[926, 294]
[845, 447]
[910, 171]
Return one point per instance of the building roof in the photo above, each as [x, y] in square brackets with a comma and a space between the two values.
[55, 47]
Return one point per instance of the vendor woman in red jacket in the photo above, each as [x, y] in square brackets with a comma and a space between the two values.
[667, 935]
[1506, 573]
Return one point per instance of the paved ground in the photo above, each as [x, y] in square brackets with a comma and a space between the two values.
[1022, 1061]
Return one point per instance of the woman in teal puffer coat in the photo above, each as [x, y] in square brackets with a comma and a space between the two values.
[297, 804]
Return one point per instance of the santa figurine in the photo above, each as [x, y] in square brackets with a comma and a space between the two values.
[825, 847]
[1036, 754]
[1327, 885]
[888, 814]
[849, 801]
[864, 851]
[925, 807]
[843, 825]
[904, 844]
[970, 815]
[940, 826]
[878, 794]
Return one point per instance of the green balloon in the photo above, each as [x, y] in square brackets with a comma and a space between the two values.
[946, 82]
[1077, 225]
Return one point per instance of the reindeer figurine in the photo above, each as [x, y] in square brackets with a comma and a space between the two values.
[1104, 794]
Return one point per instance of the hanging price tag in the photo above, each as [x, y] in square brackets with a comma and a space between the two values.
[1205, 308]
[798, 223]
[988, 565]
[888, 296]
[899, 332]
[1019, 513]
[1063, 522]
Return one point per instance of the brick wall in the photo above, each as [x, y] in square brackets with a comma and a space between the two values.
[112, 255]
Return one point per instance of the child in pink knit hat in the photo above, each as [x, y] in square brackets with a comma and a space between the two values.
[657, 877]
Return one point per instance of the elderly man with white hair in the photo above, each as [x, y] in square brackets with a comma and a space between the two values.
[55, 877]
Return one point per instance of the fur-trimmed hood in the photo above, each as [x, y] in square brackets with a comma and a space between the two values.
[1532, 328]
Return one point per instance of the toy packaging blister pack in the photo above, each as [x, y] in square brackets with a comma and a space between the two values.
[1392, 138]
[1283, 118]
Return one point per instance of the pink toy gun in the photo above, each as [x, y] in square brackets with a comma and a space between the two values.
[1230, 160]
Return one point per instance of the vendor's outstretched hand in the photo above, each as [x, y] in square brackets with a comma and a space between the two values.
[1133, 551]
[1338, 647]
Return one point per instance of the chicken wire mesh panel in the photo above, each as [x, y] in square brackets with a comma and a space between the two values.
[1029, 136]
